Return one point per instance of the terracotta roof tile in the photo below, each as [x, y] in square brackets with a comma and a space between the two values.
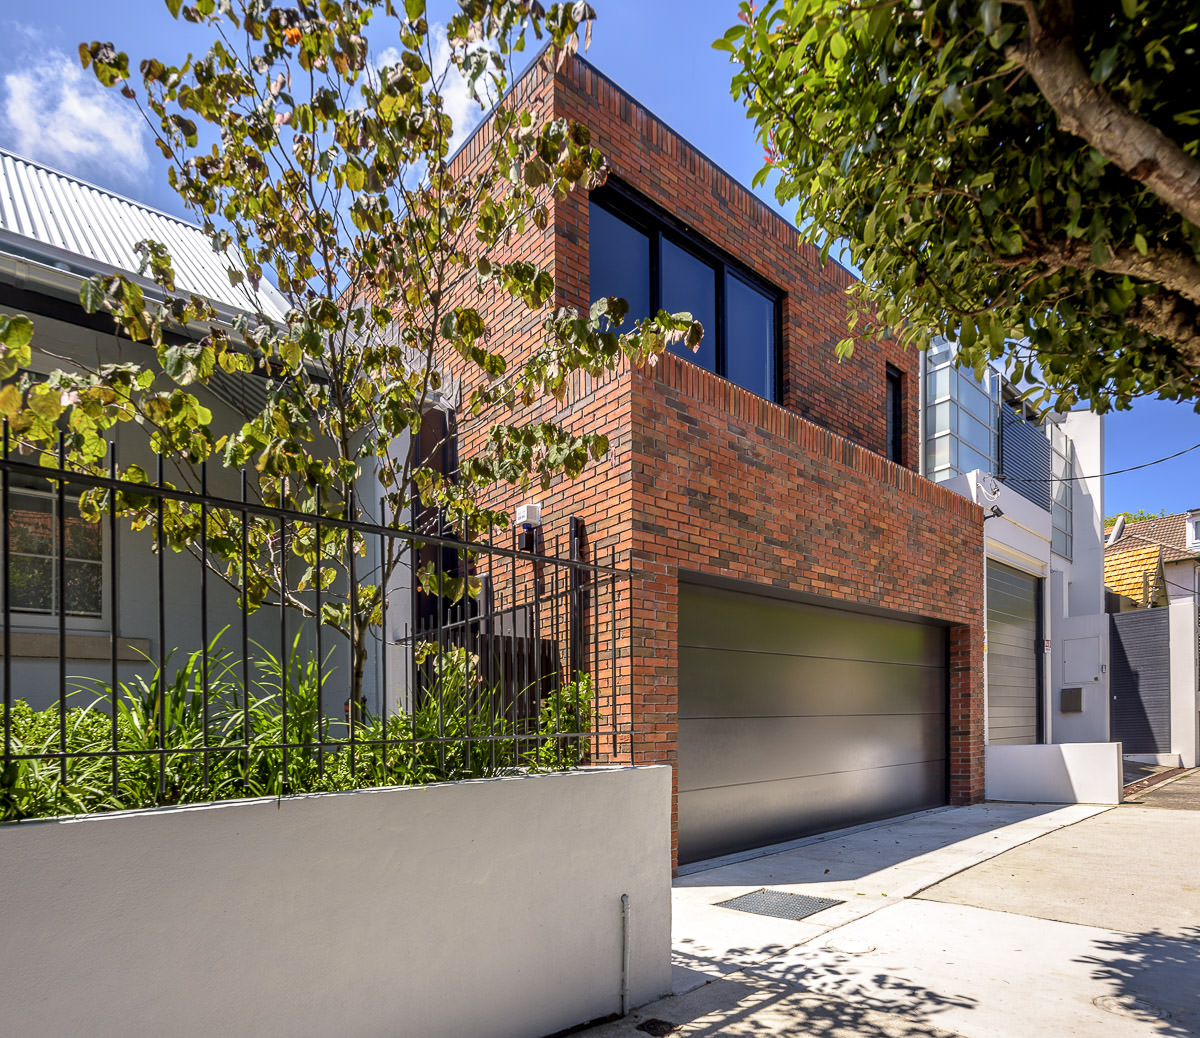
[1170, 531]
[1125, 563]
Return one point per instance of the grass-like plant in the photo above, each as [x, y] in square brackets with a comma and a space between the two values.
[180, 738]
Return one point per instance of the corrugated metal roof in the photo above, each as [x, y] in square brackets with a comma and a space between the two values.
[91, 231]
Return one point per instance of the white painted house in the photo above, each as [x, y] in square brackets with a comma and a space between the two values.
[1047, 633]
[56, 232]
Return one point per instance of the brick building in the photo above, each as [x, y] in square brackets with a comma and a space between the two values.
[803, 639]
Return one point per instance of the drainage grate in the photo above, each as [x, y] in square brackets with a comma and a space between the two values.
[778, 903]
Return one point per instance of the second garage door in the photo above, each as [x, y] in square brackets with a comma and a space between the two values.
[795, 719]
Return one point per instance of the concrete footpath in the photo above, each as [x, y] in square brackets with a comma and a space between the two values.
[983, 922]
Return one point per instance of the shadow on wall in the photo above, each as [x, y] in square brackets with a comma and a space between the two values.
[1154, 975]
[848, 1002]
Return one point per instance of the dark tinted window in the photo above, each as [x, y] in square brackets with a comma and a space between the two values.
[619, 261]
[895, 415]
[690, 284]
[749, 337]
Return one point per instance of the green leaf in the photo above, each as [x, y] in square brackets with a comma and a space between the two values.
[16, 332]
[173, 6]
[1139, 243]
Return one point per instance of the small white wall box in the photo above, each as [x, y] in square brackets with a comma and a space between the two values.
[529, 515]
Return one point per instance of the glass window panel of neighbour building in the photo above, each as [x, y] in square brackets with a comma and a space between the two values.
[1062, 470]
[33, 554]
[960, 416]
[634, 254]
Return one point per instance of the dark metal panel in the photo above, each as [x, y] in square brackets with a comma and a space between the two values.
[1014, 655]
[715, 680]
[719, 619]
[725, 819]
[1141, 680]
[796, 719]
[1025, 455]
[722, 751]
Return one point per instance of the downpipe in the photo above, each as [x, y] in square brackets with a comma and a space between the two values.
[625, 942]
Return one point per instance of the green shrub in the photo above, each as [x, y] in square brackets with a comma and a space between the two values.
[457, 731]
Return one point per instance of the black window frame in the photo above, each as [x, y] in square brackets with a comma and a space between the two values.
[628, 205]
[893, 447]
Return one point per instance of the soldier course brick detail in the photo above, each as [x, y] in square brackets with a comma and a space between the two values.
[705, 477]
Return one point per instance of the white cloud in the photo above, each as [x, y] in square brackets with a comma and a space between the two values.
[457, 102]
[55, 112]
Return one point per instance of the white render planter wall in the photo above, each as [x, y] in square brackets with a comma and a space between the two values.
[1054, 773]
[489, 908]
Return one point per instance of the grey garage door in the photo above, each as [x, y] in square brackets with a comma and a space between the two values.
[1014, 655]
[795, 719]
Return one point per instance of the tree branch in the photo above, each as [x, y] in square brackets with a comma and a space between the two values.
[1091, 113]
[1173, 319]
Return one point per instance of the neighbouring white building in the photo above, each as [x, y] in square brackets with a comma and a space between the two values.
[1039, 484]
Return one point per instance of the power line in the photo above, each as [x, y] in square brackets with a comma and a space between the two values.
[1104, 475]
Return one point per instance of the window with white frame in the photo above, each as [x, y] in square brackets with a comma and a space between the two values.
[961, 416]
[1062, 472]
[35, 568]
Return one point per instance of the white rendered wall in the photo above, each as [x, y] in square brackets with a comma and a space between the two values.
[1075, 773]
[1185, 740]
[1182, 581]
[1086, 566]
[487, 908]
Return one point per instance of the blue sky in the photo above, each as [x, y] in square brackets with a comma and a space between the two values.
[658, 50]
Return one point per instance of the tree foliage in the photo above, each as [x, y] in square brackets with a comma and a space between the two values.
[310, 163]
[1022, 177]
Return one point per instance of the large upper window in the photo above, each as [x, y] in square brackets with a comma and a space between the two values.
[653, 265]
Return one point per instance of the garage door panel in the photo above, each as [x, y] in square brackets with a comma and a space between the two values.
[1014, 655]
[712, 618]
[795, 719]
[771, 812]
[732, 751]
[719, 683]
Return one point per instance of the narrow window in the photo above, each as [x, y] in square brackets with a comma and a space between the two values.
[895, 415]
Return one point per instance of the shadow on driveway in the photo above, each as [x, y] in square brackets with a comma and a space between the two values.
[1160, 969]
[849, 1005]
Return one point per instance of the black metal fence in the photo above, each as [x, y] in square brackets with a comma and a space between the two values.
[286, 650]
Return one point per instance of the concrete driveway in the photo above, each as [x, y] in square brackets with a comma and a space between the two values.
[983, 922]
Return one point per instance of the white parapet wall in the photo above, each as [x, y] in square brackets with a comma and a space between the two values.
[1063, 773]
[485, 908]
